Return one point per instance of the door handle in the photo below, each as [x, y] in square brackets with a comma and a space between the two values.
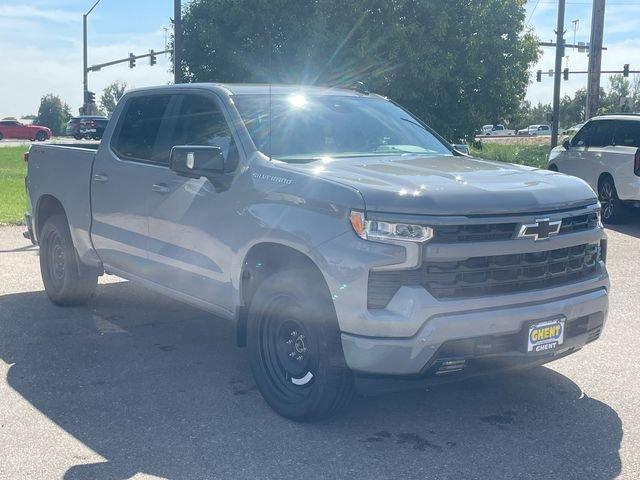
[160, 188]
[100, 177]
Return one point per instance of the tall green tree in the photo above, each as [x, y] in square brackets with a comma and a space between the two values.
[53, 113]
[110, 96]
[457, 64]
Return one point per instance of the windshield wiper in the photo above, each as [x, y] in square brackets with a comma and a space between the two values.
[413, 123]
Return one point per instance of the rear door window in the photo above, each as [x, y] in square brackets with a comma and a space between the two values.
[138, 129]
[627, 134]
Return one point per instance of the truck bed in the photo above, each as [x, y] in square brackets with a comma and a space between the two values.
[72, 189]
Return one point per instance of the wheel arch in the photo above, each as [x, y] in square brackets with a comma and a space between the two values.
[261, 261]
[604, 175]
[46, 206]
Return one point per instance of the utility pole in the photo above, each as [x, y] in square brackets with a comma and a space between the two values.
[595, 58]
[177, 40]
[558, 73]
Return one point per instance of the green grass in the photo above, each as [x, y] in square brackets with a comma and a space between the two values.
[522, 154]
[13, 199]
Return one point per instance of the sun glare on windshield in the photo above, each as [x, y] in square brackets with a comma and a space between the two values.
[297, 101]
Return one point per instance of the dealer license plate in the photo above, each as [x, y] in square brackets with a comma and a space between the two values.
[546, 335]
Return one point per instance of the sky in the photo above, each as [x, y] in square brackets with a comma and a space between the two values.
[41, 45]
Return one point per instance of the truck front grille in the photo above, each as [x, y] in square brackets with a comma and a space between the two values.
[505, 231]
[489, 275]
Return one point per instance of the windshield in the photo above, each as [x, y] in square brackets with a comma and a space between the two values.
[304, 128]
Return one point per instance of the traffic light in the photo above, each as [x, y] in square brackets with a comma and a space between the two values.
[89, 97]
[132, 60]
[565, 74]
[625, 70]
[539, 76]
[152, 57]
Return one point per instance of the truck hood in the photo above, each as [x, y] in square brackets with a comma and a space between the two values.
[452, 185]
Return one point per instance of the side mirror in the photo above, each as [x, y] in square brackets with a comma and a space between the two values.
[566, 143]
[197, 161]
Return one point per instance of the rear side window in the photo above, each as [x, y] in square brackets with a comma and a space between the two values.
[627, 134]
[602, 134]
[138, 128]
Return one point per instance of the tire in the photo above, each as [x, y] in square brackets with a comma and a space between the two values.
[613, 210]
[1, 136]
[78, 136]
[41, 136]
[66, 280]
[295, 348]
[553, 168]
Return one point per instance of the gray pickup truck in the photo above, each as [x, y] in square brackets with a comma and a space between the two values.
[340, 235]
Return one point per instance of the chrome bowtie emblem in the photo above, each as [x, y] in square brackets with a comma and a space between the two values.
[540, 230]
[191, 159]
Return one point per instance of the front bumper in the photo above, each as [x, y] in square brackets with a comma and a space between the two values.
[478, 340]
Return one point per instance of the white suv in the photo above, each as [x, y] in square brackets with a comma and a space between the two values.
[605, 153]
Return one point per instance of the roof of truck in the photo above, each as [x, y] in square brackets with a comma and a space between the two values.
[279, 89]
[265, 88]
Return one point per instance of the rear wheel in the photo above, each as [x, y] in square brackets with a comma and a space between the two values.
[553, 167]
[77, 136]
[295, 349]
[1, 136]
[66, 280]
[613, 210]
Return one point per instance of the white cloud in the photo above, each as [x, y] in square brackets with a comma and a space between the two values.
[30, 72]
[32, 12]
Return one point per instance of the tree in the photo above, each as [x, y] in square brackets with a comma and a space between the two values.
[53, 113]
[613, 101]
[456, 64]
[110, 96]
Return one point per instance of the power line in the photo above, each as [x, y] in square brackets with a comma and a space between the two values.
[532, 12]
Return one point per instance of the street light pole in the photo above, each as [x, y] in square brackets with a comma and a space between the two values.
[85, 66]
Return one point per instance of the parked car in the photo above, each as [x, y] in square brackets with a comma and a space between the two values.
[498, 129]
[535, 130]
[10, 128]
[87, 126]
[339, 234]
[605, 154]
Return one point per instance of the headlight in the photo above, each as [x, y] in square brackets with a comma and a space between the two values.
[384, 231]
[599, 218]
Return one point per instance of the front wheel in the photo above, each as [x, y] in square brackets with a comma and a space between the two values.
[613, 210]
[66, 280]
[41, 136]
[295, 349]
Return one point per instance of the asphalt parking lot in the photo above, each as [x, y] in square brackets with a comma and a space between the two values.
[136, 385]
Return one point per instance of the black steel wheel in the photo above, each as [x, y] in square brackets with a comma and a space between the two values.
[66, 280]
[613, 210]
[295, 349]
